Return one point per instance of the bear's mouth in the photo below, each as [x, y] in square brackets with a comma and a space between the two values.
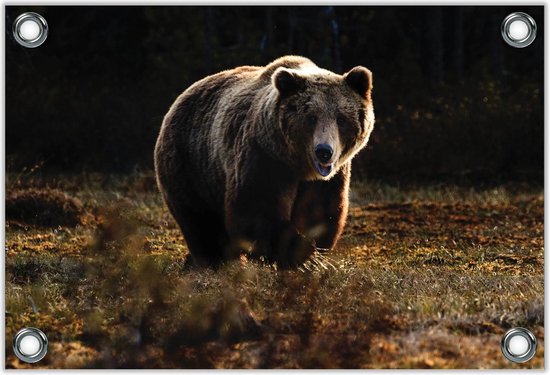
[323, 169]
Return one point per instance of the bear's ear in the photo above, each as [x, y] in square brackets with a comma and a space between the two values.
[287, 81]
[360, 80]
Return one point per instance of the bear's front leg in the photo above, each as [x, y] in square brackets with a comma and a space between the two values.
[321, 208]
[257, 218]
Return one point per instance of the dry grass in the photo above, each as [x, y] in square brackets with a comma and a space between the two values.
[425, 277]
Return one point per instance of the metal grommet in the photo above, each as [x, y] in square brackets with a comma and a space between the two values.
[30, 345]
[519, 29]
[30, 29]
[519, 345]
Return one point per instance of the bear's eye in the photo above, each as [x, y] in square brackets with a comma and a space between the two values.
[340, 120]
[311, 119]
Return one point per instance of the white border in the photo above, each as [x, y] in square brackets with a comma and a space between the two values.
[280, 3]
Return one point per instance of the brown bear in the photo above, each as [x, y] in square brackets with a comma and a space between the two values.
[257, 159]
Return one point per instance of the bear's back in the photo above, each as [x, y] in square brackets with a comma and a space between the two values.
[290, 62]
[245, 77]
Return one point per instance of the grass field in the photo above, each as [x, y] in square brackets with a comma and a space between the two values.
[424, 277]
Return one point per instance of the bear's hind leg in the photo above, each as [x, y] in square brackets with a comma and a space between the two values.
[205, 236]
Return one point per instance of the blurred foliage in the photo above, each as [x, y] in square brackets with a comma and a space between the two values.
[452, 100]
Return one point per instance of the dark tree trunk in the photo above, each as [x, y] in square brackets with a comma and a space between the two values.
[458, 59]
[209, 38]
[496, 45]
[267, 40]
[335, 32]
[435, 44]
[291, 28]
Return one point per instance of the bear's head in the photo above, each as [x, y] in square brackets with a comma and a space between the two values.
[325, 118]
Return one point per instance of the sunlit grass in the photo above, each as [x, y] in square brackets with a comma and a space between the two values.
[426, 277]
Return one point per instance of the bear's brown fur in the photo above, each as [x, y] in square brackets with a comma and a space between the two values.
[258, 159]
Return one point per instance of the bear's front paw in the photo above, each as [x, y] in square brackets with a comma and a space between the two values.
[299, 249]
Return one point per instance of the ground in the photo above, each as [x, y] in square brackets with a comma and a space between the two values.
[423, 277]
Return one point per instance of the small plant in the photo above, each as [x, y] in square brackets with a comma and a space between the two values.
[44, 207]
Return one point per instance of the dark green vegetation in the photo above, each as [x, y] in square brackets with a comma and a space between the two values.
[452, 100]
[424, 277]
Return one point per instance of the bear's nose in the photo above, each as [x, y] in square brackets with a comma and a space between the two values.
[323, 152]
